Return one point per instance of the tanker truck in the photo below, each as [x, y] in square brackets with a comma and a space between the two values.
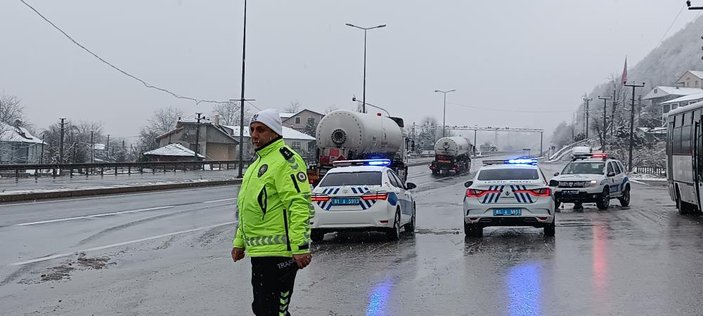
[346, 135]
[452, 154]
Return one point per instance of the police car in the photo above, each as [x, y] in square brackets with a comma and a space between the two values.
[362, 195]
[592, 178]
[508, 193]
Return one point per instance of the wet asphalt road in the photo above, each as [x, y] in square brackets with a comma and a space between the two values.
[168, 253]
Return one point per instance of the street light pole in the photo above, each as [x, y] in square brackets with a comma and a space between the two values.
[444, 111]
[365, 29]
[241, 107]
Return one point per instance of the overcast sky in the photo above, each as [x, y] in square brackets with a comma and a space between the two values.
[513, 63]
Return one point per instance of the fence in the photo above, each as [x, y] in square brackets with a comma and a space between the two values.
[113, 168]
[655, 171]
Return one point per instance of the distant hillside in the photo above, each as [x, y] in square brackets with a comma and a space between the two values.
[667, 62]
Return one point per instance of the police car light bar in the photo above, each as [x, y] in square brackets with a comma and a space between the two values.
[362, 162]
[516, 161]
[523, 161]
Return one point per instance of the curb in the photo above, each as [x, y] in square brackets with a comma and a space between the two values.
[110, 191]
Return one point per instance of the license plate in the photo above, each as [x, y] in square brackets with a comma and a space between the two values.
[507, 212]
[570, 192]
[345, 201]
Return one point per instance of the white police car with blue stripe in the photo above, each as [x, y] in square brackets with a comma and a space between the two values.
[362, 195]
[508, 193]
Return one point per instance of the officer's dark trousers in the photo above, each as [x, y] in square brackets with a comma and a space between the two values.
[273, 279]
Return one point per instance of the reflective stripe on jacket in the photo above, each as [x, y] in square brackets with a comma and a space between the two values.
[274, 204]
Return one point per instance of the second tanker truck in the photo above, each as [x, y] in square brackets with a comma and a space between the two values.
[452, 155]
[346, 135]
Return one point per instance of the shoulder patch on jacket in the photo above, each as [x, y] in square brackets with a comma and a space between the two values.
[287, 154]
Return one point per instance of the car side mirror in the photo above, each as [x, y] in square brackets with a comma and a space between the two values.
[410, 186]
[553, 183]
[556, 174]
[468, 183]
[611, 174]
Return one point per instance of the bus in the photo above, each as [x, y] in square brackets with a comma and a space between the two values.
[684, 157]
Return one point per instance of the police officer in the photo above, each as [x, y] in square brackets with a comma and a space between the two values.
[274, 216]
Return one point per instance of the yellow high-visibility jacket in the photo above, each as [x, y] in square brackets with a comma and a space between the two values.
[274, 204]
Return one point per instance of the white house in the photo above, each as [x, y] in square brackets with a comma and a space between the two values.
[18, 145]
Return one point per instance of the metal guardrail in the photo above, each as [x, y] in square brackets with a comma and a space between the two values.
[116, 168]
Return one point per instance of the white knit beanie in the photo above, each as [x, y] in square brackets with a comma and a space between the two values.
[270, 118]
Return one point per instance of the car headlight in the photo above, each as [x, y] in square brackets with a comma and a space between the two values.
[591, 183]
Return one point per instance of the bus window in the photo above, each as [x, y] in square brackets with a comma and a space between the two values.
[686, 140]
[686, 117]
[677, 140]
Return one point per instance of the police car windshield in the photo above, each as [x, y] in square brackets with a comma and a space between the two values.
[508, 174]
[351, 178]
[584, 168]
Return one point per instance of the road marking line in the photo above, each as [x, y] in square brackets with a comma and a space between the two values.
[119, 244]
[96, 215]
[221, 200]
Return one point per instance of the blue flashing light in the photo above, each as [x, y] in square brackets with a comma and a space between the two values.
[379, 162]
[522, 161]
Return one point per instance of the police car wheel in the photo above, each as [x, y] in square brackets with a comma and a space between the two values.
[410, 226]
[394, 233]
[471, 230]
[550, 230]
[625, 198]
[317, 235]
[603, 200]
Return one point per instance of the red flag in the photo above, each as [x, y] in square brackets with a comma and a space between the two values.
[623, 79]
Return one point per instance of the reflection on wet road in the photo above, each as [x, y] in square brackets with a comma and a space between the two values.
[643, 259]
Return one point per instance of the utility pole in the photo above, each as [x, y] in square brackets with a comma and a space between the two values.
[92, 148]
[612, 117]
[197, 135]
[41, 158]
[73, 142]
[587, 100]
[605, 122]
[107, 148]
[632, 123]
[61, 141]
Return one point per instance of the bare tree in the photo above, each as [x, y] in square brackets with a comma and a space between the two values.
[10, 109]
[293, 107]
[229, 113]
[162, 121]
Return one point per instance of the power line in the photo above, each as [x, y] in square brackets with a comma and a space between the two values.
[146, 84]
[672, 24]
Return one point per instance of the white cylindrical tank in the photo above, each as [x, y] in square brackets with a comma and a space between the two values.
[452, 146]
[359, 133]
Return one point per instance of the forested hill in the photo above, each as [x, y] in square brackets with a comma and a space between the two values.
[666, 63]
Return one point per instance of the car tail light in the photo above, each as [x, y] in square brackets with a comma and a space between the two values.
[543, 192]
[320, 198]
[479, 193]
[374, 196]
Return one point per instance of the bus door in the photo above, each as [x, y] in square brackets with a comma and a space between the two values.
[698, 158]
